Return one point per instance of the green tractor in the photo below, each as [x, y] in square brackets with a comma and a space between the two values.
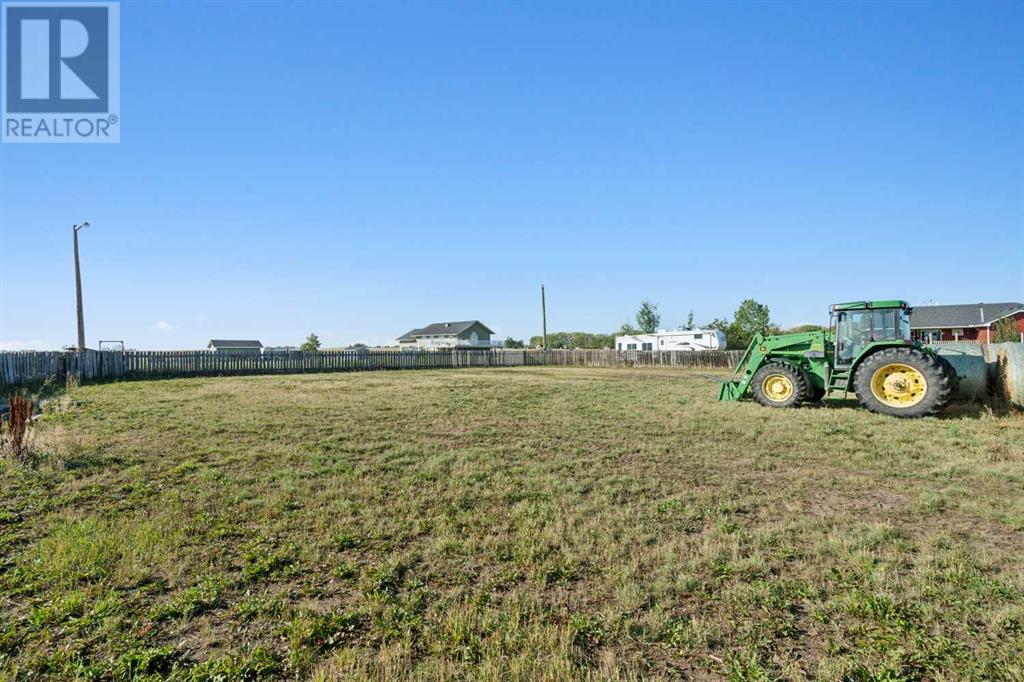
[866, 350]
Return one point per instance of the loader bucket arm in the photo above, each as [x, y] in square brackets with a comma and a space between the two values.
[796, 349]
[752, 358]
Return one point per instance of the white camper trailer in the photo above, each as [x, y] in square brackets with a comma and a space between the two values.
[682, 339]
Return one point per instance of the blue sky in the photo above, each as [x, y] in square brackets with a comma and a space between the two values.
[360, 169]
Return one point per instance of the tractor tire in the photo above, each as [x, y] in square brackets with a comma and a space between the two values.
[813, 394]
[780, 385]
[903, 382]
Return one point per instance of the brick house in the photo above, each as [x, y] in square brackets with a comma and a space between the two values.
[970, 322]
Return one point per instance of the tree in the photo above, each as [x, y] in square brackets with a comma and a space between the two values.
[804, 328]
[627, 330]
[513, 343]
[575, 340]
[647, 318]
[751, 318]
[1006, 330]
[311, 344]
[689, 320]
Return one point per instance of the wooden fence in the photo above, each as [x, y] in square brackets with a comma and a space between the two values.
[28, 367]
[711, 359]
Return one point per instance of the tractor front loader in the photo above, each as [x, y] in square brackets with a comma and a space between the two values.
[867, 350]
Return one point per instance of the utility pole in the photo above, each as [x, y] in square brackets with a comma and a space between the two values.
[544, 317]
[78, 288]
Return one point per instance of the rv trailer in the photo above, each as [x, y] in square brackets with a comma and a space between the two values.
[682, 339]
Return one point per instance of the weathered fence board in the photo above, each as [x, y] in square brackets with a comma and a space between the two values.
[26, 367]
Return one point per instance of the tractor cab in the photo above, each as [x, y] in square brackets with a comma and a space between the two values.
[858, 324]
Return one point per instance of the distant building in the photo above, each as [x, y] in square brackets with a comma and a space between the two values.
[970, 322]
[280, 350]
[235, 346]
[682, 339]
[468, 334]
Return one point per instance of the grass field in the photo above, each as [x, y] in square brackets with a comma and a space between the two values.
[508, 524]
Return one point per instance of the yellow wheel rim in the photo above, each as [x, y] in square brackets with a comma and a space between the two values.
[898, 385]
[777, 387]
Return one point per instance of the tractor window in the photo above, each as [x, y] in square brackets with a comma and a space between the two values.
[904, 321]
[855, 329]
[885, 325]
[852, 330]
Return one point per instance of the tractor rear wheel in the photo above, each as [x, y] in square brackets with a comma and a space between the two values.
[903, 382]
[780, 385]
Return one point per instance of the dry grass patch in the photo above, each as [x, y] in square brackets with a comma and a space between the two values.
[508, 524]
